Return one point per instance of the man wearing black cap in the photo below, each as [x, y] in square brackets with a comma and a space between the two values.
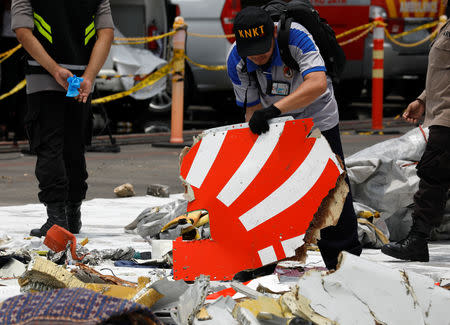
[268, 88]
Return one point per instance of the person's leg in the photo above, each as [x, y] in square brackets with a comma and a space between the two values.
[430, 199]
[45, 128]
[343, 236]
[77, 133]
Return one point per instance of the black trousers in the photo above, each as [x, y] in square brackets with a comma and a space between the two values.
[434, 173]
[343, 236]
[58, 129]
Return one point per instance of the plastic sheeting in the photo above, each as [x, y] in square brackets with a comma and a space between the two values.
[135, 61]
[383, 178]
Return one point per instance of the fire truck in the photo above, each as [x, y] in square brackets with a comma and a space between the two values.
[404, 67]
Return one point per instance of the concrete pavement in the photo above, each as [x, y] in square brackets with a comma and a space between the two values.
[141, 164]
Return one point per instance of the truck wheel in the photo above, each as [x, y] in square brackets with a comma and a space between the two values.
[161, 103]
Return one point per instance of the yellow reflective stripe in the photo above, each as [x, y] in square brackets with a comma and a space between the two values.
[43, 23]
[92, 33]
[377, 73]
[88, 29]
[392, 10]
[89, 32]
[43, 31]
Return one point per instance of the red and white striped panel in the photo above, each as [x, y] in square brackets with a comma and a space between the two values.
[261, 193]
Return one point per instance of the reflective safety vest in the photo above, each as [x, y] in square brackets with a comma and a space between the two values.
[66, 30]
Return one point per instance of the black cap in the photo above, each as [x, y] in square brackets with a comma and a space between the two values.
[253, 29]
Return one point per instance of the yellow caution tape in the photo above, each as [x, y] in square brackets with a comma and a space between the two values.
[8, 53]
[357, 37]
[18, 87]
[175, 65]
[207, 67]
[140, 40]
[178, 61]
[356, 29]
[422, 27]
[148, 81]
[210, 36]
[426, 39]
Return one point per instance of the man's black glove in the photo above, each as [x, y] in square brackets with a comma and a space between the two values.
[258, 123]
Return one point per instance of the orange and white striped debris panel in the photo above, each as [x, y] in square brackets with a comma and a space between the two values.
[262, 194]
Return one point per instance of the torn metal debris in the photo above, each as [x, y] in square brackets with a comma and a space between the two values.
[255, 188]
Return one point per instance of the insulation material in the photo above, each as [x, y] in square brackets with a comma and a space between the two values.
[147, 296]
[113, 290]
[262, 193]
[374, 294]
[42, 274]
[263, 305]
[383, 177]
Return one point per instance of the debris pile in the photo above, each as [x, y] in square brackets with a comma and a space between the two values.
[231, 252]
[383, 179]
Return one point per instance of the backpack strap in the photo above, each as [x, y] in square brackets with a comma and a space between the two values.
[251, 75]
[284, 27]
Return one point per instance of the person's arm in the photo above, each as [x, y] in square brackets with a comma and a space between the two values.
[98, 57]
[313, 86]
[32, 45]
[414, 111]
[250, 110]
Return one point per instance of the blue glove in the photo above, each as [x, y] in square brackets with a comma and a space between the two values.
[74, 85]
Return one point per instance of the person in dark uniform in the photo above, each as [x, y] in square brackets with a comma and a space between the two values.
[308, 93]
[62, 38]
[434, 166]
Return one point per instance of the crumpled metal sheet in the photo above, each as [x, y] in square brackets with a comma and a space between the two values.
[192, 301]
[384, 178]
[149, 222]
[220, 312]
[93, 257]
[351, 295]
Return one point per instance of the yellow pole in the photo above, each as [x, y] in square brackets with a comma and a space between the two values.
[179, 44]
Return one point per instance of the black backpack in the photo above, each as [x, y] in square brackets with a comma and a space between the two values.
[303, 12]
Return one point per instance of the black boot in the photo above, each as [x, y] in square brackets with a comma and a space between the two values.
[412, 248]
[56, 214]
[74, 216]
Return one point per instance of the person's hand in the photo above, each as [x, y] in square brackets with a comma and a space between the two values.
[258, 122]
[85, 90]
[414, 111]
[61, 74]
